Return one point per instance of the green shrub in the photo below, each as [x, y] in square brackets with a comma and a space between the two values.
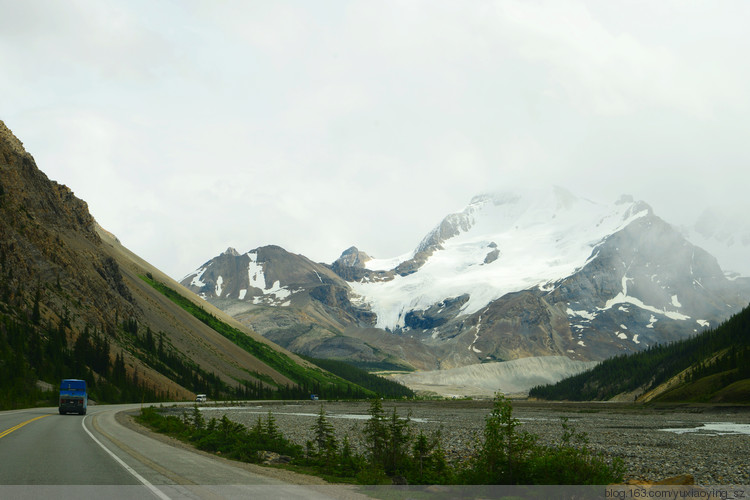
[373, 475]
[388, 440]
[507, 456]
[572, 462]
[504, 456]
[428, 461]
[230, 438]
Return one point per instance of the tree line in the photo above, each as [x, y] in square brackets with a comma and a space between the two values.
[32, 352]
[725, 350]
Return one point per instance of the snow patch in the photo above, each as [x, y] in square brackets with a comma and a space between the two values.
[257, 279]
[546, 287]
[622, 336]
[279, 291]
[703, 323]
[243, 292]
[197, 281]
[675, 302]
[581, 314]
[623, 297]
[476, 336]
[387, 264]
[219, 283]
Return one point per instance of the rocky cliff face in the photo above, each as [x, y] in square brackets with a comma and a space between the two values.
[647, 285]
[48, 236]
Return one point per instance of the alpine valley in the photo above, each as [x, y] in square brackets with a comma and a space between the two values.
[521, 288]
[75, 303]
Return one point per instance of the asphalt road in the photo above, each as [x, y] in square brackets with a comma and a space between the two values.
[44, 454]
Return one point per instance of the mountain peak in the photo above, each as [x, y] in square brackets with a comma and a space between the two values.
[501, 242]
[10, 141]
[623, 199]
[231, 251]
[352, 257]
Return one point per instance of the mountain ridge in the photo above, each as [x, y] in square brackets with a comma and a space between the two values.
[535, 273]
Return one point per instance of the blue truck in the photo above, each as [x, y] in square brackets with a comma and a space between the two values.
[73, 396]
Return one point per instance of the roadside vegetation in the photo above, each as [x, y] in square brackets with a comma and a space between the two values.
[713, 366]
[396, 454]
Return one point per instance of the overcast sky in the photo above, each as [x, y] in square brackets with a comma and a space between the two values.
[189, 127]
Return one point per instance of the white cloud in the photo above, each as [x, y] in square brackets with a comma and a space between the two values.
[191, 127]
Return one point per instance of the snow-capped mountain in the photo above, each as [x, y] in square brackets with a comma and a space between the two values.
[543, 272]
[287, 298]
[499, 244]
[271, 277]
[539, 272]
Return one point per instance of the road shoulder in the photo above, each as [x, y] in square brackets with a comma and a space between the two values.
[127, 420]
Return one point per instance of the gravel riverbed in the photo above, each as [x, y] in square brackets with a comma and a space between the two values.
[711, 443]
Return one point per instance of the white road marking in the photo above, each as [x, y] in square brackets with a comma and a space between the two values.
[128, 468]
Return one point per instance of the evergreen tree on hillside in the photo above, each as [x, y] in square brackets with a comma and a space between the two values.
[723, 350]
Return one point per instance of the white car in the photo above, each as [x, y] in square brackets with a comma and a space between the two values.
[200, 398]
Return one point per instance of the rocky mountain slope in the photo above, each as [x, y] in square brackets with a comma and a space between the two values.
[295, 302]
[713, 366]
[59, 271]
[517, 274]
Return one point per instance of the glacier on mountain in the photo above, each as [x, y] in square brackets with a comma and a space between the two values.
[539, 236]
[515, 275]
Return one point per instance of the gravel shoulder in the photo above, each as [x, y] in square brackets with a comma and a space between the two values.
[702, 444]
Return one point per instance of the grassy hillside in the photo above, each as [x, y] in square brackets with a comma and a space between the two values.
[713, 366]
[308, 380]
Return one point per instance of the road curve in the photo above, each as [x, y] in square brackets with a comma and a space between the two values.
[44, 454]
